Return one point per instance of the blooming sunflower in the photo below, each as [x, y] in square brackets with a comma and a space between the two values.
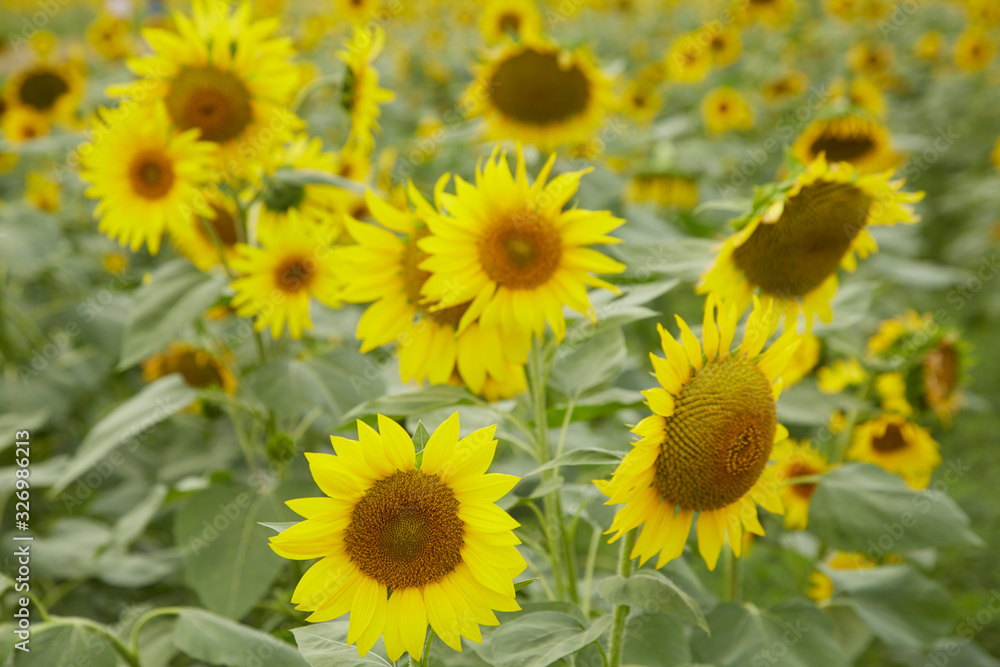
[224, 75]
[194, 240]
[974, 50]
[501, 19]
[402, 546]
[790, 84]
[706, 447]
[873, 60]
[665, 189]
[725, 45]
[110, 36]
[537, 93]
[42, 192]
[688, 60]
[361, 95]
[357, 12]
[865, 144]
[774, 13]
[726, 109]
[50, 89]
[797, 459]
[896, 444]
[199, 368]
[790, 245]
[146, 174]
[23, 124]
[641, 101]
[278, 278]
[510, 248]
[839, 375]
[929, 45]
[384, 266]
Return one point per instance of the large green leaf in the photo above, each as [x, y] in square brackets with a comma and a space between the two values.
[591, 364]
[790, 635]
[10, 424]
[53, 645]
[414, 403]
[177, 294]
[584, 456]
[220, 641]
[860, 507]
[129, 422]
[600, 403]
[684, 258]
[652, 591]
[542, 638]
[325, 645]
[655, 638]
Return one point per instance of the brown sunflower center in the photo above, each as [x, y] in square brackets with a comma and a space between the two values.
[199, 370]
[890, 441]
[842, 149]
[223, 224]
[405, 531]
[414, 278]
[795, 254]
[521, 250]
[802, 469]
[214, 101]
[510, 22]
[718, 440]
[294, 274]
[42, 89]
[941, 371]
[151, 174]
[534, 87]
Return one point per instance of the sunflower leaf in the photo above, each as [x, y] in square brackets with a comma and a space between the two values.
[542, 638]
[653, 591]
[580, 457]
[325, 645]
[220, 641]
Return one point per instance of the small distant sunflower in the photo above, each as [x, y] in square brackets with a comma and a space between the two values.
[725, 109]
[508, 246]
[194, 241]
[501, 19]
[278, 279]
[803, 361]
[641, 101]
[821, 588]
[689, 59]
[974, 50]
[942, 375]
[898, 445]
[706, 447]
[199, 368]
[224, 75]
[775, 13]
[873, 60]
[383, 267]
[403, 546]
[42, 192]
[361, 95]
[23, 124]
[50, 89]
[665, 189]
[725, 45]
[537, 93]
[839, 375]
[797, 459]
[790, 84]
[110, 36]
[146, 174]
[357, 12]
[865, 94]
[790, 245]
[865, 144]
[929, 45]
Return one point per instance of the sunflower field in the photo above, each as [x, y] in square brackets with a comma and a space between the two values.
[593, 333]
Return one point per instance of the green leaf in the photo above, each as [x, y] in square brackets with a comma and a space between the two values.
[591, 364]
[220, 641]
[177, 294]
[325, 645]
[860, 507]
[852, 634]
[900, 606]
[278, 526]
[683, 258]
[53, 645]
[653, 591]
[580, 457]
[130, 423]
[598, 404]
[414, 403]
[518, 585]
[790, 635]
[542, 638]
[420, 436]
[133, 522]
[226, 558]
[316, 177]
[655, 638]
[10, 424]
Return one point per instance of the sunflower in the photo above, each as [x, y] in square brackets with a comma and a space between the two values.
[706, 447]
[358, 12]
[873, 60]
[224, 75]
[863, 143]
[42, 192]
[974, 50]
[803, 361]
[839, 375]
[821, 588]
[537, 93]
[941, 375]
[110, 36]
[501, 19]
[665, 189]
[50, 89]
[194, 240]
[725, 109]
[790, 84]
[147, 174]
[688, 60]
[725, 45]
[361, 95]
[278, 278]
[790, 245]
[891, 388]
[198, 367]
[641, 101]
[403, 546]
[797, 459]
[896, 444]
[775, 13]
[929, 45]
[510, 248]
[384, 266]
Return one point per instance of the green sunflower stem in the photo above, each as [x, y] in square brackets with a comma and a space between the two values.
[425, 656]
[617, 646]
[732, 576]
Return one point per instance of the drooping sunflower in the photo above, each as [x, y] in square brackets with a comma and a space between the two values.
[508, 246]
[279, 278]
[383, 267]
[194, 240]
[942, 370]
[706, 447]
[199, 368]
[974, 50]
[51, 89]
[849, 138]
[501, 19]
[225, 75]
[725, 109]
[790, 245]
[898, 445]
[665, 189]
[403, 546]
[797, 459]
[146, 174]
[538, 93]
[689, 59]
[361, 95]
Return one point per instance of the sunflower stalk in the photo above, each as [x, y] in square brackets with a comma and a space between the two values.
[616, 647]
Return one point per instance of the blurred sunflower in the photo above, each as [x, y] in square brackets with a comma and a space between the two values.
[357, 12]
[665, 189]
[277, 279]
[896, 444]
[873, 60]
[42, 192]
[49, 89]
[706, 447]
[891, 388]
[688, 60]
[361, 95]
[974, 50]
[194, 240]
[821, 587]
[863, 93]
[790, 84]
[790, 245]
[796, 459]
[942, 375]
[839, 375]
[929, 45]
[725, 109]
[863, 143]
[775, 13]
[224, 75]
[110, 36]
[537, 93]
[501, 19]
[803, 361]
[641, 101]
[403, 546]
[146, 173]
[199, 368]
[384, 267]
[510, 248]
[725, 45]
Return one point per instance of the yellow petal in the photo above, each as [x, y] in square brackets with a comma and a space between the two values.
[440, 445]
[710, 533]
[691, 346]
